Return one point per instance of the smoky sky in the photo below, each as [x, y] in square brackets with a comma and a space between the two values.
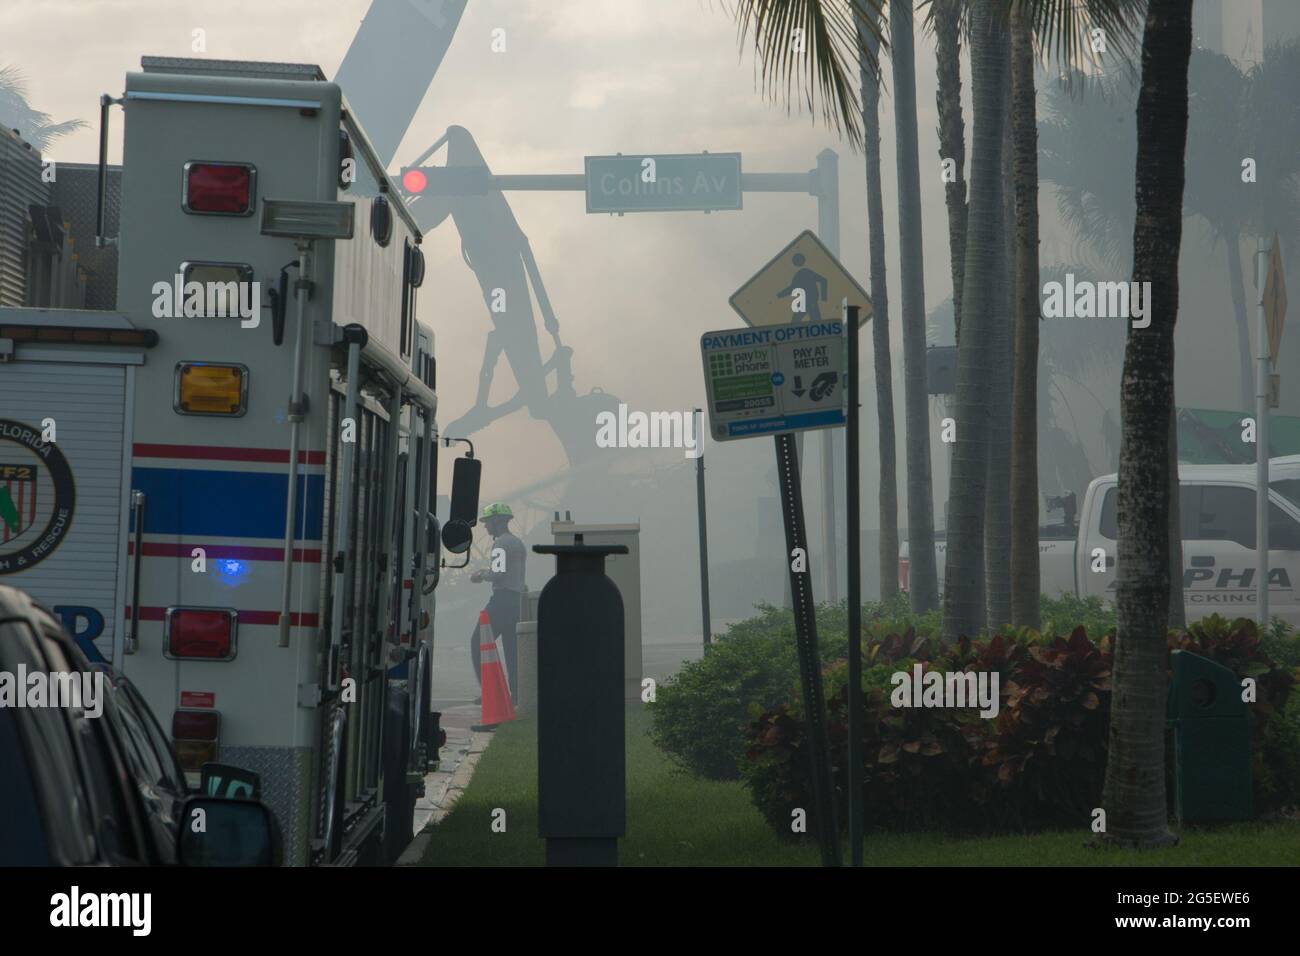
[632, 294]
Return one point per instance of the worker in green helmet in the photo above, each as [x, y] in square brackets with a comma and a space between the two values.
[506, 572]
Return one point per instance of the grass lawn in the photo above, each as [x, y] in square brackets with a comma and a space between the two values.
[674, 819]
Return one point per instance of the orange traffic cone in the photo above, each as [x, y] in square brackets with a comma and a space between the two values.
[497, 707]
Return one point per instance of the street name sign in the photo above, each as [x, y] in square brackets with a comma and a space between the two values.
[663, 182]
[775, 380]
[803, 283]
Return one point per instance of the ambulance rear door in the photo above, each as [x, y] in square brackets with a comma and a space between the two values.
[64, 422]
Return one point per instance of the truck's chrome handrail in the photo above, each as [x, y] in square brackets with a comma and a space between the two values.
[132, 642]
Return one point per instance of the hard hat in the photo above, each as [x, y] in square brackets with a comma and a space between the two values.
[499, 509]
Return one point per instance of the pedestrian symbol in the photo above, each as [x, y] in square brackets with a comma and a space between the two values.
[807, 291]
[804, 283]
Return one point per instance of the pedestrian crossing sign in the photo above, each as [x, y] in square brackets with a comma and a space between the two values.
[803, 283]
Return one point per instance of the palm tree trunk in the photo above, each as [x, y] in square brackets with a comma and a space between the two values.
[923, 573]
[964, 572]
[1134, 791]
[1025, 580]
[870, 71]
[1177, 609]
[997, 494]
[952, 137]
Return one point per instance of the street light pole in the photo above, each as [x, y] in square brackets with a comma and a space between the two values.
[1261, 437]
[828, 231]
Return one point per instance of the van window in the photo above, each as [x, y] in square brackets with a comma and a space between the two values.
[1288, 488]
[1217, 513]
[1227, 514]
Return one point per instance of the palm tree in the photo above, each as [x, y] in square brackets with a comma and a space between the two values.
[997, 492]
[923, 576]
[1134, 791]
[1067, 27]
[964, 572]
[1023, 568]
[815, 41]
[944, 17]
[32, 125]
[870, 70]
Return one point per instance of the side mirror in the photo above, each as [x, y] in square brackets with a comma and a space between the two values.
[458, 533]
[217, 831]
[457, 536]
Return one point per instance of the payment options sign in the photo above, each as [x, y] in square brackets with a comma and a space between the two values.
[782, 378]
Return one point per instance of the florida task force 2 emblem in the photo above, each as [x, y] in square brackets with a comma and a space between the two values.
[37, 497]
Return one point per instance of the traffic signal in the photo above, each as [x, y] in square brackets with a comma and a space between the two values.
[414, 180]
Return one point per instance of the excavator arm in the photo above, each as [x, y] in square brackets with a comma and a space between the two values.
[385, 74]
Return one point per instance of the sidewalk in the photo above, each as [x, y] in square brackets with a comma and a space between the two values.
[444, 787]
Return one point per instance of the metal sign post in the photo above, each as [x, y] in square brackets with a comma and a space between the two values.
[1270, 315]
[781, 380]
[805, 636]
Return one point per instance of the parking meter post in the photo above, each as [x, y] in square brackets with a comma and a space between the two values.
[581, 786]
[805, 635]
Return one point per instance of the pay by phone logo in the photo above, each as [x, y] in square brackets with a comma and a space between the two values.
[209, 300]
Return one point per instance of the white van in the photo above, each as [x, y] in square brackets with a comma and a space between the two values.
[1217, 512]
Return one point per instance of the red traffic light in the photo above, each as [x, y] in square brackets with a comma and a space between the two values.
[414, 181]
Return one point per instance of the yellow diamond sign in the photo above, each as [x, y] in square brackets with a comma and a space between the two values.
[803, 283]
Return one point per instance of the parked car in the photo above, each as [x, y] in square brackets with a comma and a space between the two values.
[90, 780]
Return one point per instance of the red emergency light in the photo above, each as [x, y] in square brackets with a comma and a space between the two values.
[200, 633]
[414, 181]
[219, 189]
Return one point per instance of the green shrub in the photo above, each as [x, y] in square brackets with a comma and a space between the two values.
[1063, 614]
[700, 715]
[1040, 763]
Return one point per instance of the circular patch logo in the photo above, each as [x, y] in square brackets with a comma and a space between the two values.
[37, 497]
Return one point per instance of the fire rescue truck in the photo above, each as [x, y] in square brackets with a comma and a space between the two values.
[225, 486]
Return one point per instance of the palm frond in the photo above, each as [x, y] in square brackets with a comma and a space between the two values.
[16, 113]
[1064, 29]
[821, 74]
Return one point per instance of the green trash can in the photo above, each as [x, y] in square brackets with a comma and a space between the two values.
[1211, 728]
